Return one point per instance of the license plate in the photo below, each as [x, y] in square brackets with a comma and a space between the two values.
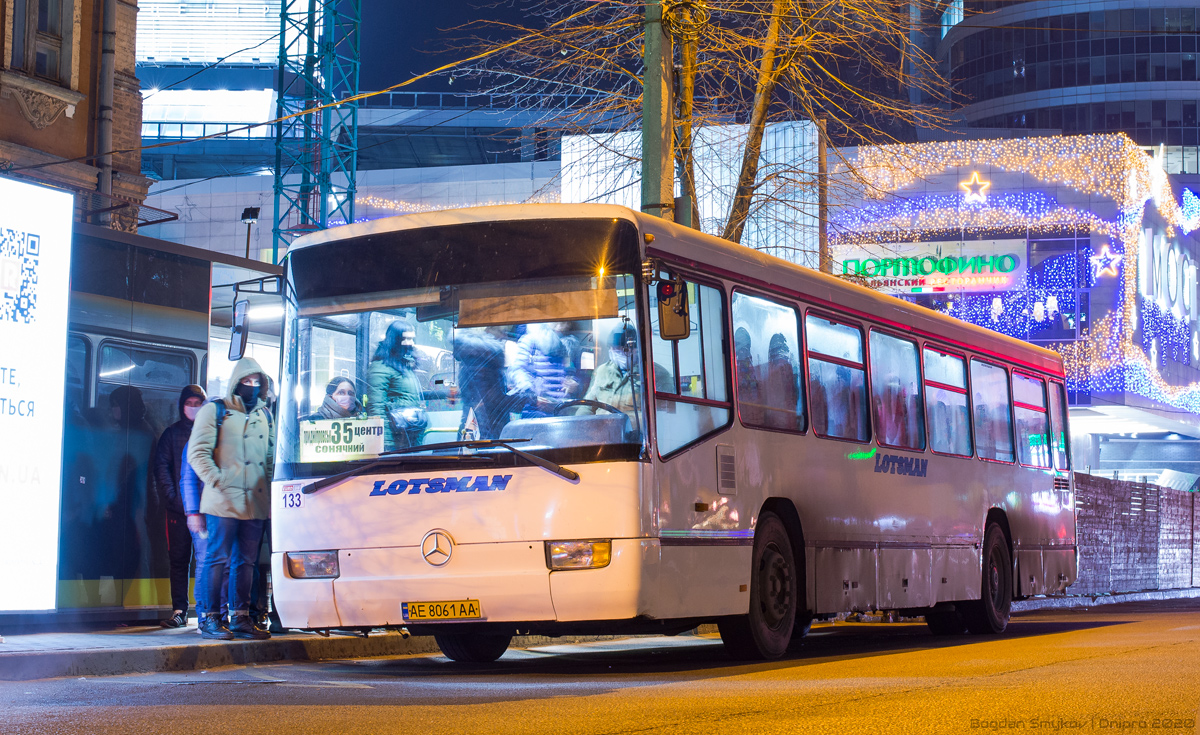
[448, 610]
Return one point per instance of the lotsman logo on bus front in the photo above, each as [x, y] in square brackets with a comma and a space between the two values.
[468, 484]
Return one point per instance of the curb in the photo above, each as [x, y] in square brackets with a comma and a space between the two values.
[1108, 598]
[198, 656]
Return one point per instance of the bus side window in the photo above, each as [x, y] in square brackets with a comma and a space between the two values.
[766, 340]
[896, 392]
[1058, 428]
[993, 423]
[1033, 425]
[689, 374]
[946, 403]
[837, 385]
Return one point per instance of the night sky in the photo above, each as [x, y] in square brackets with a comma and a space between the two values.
[402, 38]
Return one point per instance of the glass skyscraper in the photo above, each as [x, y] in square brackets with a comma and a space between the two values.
[1080, 67]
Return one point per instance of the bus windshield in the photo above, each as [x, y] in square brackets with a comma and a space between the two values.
[449, 334]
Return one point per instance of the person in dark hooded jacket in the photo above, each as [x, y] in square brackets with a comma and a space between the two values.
[168, 464]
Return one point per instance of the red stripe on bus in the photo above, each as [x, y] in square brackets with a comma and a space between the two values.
[713, 271]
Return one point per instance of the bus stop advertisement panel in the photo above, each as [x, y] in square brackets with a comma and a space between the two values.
[35, 260]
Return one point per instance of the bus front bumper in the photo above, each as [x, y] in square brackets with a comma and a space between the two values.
[510, 581]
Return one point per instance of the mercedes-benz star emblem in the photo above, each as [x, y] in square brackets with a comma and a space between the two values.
[436, 547]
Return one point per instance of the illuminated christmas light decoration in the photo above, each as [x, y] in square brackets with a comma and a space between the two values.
[976, 188]
[395, 207]
[1105, 262]
[1107, 359]
[1190, 204]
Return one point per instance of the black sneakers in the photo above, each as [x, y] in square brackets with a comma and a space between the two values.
[242, 626]
[212, 627]
[178, 620]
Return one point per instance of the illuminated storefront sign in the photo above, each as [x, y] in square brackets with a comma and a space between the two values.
[934, 267]
[35, 261]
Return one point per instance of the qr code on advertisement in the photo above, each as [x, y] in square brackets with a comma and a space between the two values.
[19, 255]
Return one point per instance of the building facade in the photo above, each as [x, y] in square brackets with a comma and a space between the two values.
[55, 91]
[1100, 66]
[1082, 244]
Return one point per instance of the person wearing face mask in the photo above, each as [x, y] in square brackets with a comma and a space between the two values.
[234, 459]
[615, 381]
[393, 389]
[341, 401]
[168, 464]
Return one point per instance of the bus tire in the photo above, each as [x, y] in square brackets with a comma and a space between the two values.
[989, 614]
[766, 631]
[473, 648]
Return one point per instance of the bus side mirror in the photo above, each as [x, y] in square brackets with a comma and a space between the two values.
[239, 332]
[674, 321]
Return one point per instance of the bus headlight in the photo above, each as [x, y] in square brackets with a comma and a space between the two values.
[578, 554]
[312, 564]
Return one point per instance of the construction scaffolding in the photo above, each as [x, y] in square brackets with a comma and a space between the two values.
[316, 153]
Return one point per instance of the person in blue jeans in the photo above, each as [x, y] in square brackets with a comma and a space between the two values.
[232, 450]
[191, 489]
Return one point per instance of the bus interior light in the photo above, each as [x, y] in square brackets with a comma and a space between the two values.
[312, 564]
[562, 555]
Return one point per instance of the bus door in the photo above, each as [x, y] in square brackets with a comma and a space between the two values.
[699, 516]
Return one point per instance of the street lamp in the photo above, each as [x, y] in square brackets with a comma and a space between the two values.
[249, 216]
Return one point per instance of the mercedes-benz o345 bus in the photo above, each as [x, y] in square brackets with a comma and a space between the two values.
[582, 419]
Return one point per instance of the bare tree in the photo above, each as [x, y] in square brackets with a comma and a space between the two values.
[856, 64]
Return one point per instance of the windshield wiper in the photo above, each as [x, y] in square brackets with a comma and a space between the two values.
[399, 456]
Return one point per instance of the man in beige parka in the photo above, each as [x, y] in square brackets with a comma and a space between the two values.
[235, 461]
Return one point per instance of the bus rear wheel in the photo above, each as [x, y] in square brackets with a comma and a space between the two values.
[766, 631]
[989, 614]
[473, 648]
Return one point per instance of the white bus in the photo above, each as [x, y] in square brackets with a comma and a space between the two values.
[582, 419]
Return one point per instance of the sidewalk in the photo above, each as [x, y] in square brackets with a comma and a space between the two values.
[145, 648]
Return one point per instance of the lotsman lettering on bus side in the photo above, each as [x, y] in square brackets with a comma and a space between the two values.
[431, 485]
[896, 464]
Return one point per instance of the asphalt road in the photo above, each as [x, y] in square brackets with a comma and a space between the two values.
[1123, 668]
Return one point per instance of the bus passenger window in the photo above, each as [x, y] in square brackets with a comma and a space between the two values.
[896, 392]
[993, 424]
[946, 403]
[1033, 426]
[837, 386]
[1058, 412]
[689, 374]
[766, 341]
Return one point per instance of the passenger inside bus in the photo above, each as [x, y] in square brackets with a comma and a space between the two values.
[481, 379]
[782, 386]
[341, 401]
[394, 392]
[542, 373]
[749, 389]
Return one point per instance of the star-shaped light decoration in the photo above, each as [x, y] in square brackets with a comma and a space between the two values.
[976, 188]
[1105, 262]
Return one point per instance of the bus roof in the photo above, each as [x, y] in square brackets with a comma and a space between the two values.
[719, 257]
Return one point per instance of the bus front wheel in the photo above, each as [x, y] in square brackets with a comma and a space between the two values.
[766, 631]
[989, 614]
[473, 648]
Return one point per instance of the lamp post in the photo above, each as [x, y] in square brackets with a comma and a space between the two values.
[249, 216]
